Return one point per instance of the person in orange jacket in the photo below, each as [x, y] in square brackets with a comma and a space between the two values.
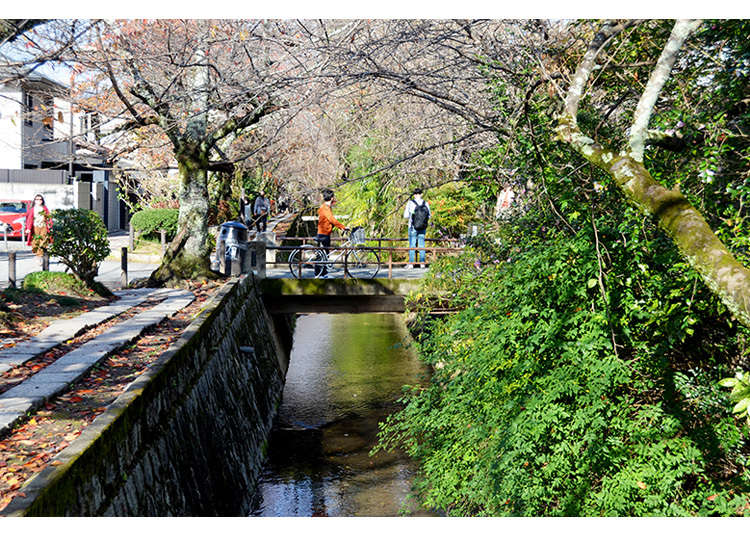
[326, 223]
[38, 225]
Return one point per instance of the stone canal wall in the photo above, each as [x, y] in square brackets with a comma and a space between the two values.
[189, 436]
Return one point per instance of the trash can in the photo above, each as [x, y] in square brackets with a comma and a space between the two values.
[231, 248]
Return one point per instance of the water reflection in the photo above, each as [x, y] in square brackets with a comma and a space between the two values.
[345, 375]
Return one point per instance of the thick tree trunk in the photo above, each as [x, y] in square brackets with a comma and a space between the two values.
[188, 255]
[696, 241]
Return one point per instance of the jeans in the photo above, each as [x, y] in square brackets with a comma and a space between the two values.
[416, 240]
[260, 223]
[324, 241]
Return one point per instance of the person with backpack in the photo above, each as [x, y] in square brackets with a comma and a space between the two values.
[417, 211]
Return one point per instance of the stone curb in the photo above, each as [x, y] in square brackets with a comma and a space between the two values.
[16, 402]
[39, 482]
[63, 330]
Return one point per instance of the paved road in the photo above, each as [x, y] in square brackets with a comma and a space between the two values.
[109, 272]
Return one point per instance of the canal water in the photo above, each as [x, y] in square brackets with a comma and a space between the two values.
[345, 375]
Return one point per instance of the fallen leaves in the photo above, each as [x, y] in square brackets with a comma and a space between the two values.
[33, 445]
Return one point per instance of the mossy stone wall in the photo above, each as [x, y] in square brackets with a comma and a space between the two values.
[188, 437]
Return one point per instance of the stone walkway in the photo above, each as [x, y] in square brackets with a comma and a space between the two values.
[17, 401]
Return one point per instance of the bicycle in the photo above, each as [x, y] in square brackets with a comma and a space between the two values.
[360, 262]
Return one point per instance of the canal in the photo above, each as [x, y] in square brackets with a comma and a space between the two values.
[345, 375]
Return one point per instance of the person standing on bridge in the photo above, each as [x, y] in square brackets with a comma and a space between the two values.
[417, 211]
[326, 223]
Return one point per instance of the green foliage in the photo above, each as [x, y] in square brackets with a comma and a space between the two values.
[150, 222]
[79, 239]
[454, 206]
[371, 202]
[56, 283]
[532, 411]
[740, 394]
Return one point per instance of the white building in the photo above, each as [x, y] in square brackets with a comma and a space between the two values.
[41, 149]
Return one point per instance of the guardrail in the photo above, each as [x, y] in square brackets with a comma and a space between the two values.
[390, 256]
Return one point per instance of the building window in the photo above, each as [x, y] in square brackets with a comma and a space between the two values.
[28, 108]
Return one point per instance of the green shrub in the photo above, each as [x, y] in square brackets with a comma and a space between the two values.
[530, 412]
[55, 283]
[79, 239]
[150, 221]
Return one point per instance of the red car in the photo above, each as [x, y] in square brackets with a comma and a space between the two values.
[13, 217]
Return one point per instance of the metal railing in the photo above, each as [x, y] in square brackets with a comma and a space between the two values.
[390, 256]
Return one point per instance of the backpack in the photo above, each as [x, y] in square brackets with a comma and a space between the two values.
[420, 216]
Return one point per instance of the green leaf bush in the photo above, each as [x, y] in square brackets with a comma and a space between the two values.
[150, 222]
[56, 283]
[531, 411]
[79, 239]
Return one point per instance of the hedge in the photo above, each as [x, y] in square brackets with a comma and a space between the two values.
[151, 221]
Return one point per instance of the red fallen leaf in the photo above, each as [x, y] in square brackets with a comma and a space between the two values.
[76, 399]
[712, 497]
[642, 485]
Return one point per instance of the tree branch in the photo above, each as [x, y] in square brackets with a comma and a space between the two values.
[659, 76]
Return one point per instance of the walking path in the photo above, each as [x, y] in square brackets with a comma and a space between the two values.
[17, 401]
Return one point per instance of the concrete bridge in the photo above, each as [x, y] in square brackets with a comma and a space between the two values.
[283, 295]
[266, 255]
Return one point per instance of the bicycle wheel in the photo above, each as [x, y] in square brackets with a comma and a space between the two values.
[362, 263]
[304, 260]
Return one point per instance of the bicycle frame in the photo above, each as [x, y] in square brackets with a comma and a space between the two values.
[318, 257]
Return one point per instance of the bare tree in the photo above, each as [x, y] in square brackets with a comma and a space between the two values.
[199, 84]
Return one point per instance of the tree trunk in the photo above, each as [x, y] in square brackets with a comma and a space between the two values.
[696, 241]
[188, 255]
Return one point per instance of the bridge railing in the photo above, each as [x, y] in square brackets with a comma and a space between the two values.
[390, 256]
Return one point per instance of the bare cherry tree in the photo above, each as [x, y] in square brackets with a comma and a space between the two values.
[199, 84]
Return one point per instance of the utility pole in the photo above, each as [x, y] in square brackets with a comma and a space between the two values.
[70, 144]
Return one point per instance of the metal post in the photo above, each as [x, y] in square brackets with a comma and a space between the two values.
[222, 254]
[163, 234]
[131, 237]
[124, 266]
[12, 269]
[260, 258]
[390, 264]
[45, 262]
